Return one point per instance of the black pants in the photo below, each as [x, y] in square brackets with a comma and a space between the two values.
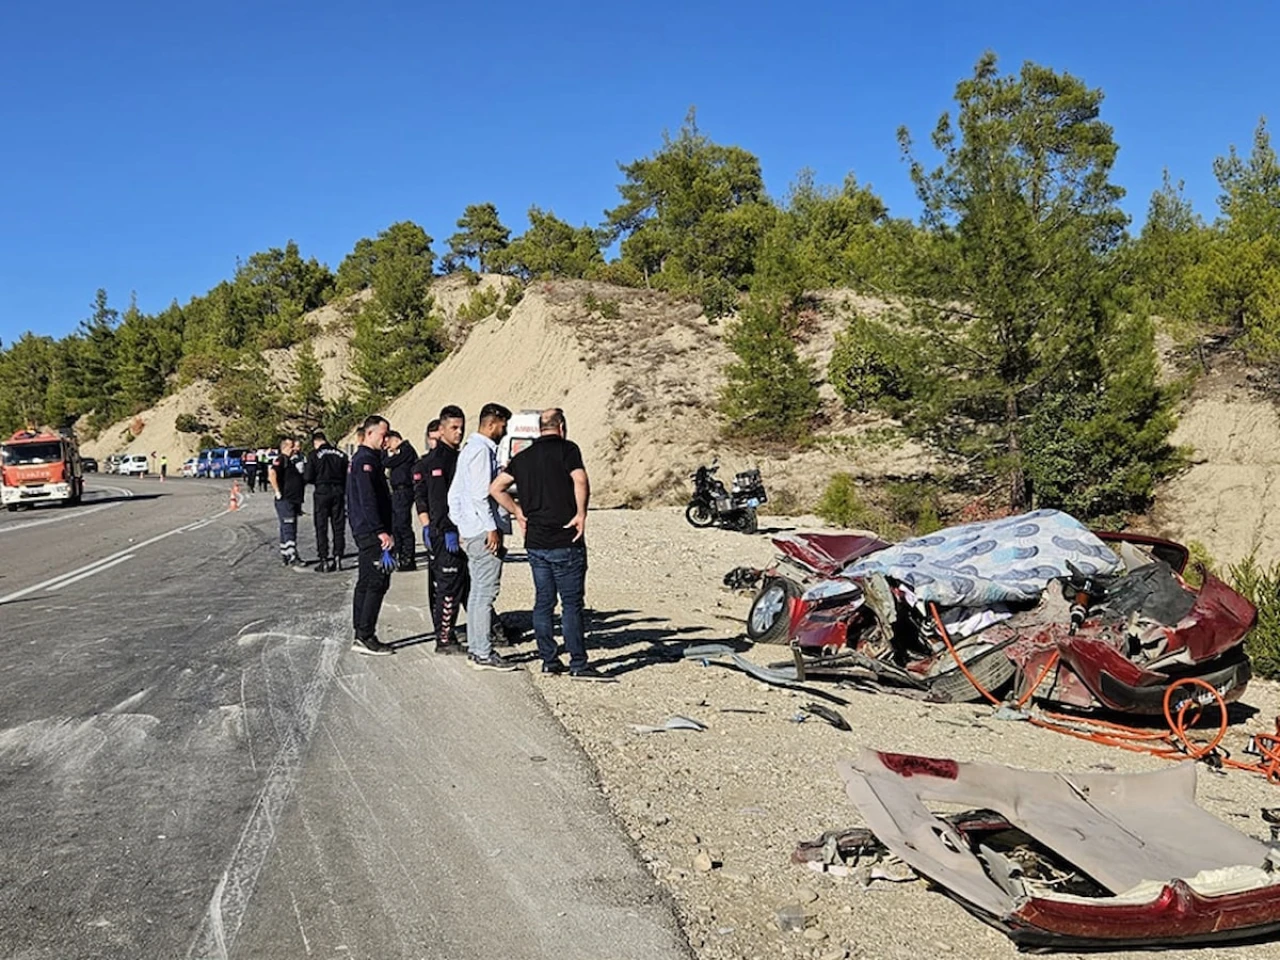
[329, 506]
[371, 586]
[450, 580]
[251, 477]
[402, 525]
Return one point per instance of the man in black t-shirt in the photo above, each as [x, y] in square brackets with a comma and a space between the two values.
[286, 482]
[553, 489]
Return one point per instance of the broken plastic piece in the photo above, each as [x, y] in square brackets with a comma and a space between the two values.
[792, 917]
[671, 723]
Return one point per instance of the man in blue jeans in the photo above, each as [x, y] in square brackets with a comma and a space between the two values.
[553, 490]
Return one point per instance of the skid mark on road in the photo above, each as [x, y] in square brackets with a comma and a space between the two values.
[231, 896]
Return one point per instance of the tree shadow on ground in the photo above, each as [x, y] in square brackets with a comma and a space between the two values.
[635, 641]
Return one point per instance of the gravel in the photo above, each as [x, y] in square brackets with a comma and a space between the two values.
[716, 814]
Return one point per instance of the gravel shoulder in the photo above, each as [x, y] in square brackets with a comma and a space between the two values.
[746, 790]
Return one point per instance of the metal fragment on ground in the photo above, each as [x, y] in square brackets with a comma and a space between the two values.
[1072, 860]
[676, 722]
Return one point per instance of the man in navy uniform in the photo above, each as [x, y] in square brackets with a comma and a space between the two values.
[399, 459]
[369, 513]
[327, 469]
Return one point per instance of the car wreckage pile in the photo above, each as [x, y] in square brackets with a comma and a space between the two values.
[1033, 609]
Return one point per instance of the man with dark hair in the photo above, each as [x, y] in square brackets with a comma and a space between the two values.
[481, 525]
[447, 565]
[399, 459]
[369, 512]
[286, 482]
[327, 469]
[553, 489]
[433, 434]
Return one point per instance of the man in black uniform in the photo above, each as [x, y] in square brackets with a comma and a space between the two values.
[286, 483]
[399, 459]
[250, 463]
[327, 469]
[447, 575]
[369, 511]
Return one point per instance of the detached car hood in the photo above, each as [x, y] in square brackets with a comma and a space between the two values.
[1165, 872]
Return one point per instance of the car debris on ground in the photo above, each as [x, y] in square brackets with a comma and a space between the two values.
[1061, 861]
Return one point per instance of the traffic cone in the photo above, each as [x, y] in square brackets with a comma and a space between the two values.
[235, 496]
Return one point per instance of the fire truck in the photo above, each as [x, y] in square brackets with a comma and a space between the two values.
[40, 466]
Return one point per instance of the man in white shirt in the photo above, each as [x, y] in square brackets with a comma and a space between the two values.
[481, 524]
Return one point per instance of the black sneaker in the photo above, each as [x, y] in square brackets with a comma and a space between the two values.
[322, 567]
[372, 647]
[491, 662]
[553, 667]
[448, 646]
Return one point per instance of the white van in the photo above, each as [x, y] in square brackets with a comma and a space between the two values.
[134, 465]
[522, 430]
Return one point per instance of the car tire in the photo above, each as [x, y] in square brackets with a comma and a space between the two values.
[769, 620]
[992, 669]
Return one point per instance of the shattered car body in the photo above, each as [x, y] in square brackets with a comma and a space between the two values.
[1072, 861]
[1032, 606]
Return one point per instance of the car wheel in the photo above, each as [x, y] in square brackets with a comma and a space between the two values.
[991, 669]
[769, 620]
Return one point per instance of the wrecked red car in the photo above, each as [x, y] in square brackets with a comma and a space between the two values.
[1034, 606]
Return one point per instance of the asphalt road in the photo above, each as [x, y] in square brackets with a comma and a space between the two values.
[193, 763]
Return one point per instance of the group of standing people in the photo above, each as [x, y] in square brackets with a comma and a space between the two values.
[465, 501]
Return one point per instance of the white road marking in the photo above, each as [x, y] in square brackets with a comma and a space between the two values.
[90, 572]
[81, 512]
[49, 584]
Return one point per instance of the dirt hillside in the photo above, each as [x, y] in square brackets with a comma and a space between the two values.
[1226, 499]
[639, 375]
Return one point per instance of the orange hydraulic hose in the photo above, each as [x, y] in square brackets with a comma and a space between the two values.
[946, 638]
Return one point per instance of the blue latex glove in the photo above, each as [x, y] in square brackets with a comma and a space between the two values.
[388, 562]
[426, 536]
[451, 541]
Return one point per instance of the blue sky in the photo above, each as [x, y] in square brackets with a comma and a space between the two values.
[146, 145]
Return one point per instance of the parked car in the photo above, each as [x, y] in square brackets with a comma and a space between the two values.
[88, 465]
[134, 465]
[1036, 604]
[113, 463]
[226, 462]
[188, 467]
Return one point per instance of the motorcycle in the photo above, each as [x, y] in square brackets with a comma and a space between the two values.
[733, 509]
